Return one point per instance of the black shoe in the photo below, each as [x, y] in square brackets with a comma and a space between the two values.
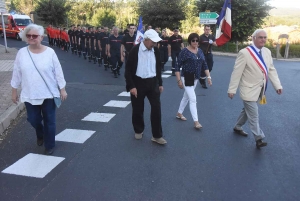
[260, 143]
[39, 142]
[240, 132]
[118, 72]
[49, 151]
[163, 70]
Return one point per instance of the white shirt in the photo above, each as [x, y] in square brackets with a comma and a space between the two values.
[146, 67]
[34, 90]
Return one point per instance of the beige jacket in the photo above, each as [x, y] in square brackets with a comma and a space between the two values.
[249, 78]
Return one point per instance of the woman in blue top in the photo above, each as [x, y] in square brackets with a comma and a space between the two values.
[191, 60]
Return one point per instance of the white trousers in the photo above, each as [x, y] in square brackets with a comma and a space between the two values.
[189, 96]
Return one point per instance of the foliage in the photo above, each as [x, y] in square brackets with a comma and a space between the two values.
[161, 13]
[53, 12]
[294, 50]
[247, 16]
[191, 20]
[271, 21]
[23, 6]
[83, 11]
[104, 17]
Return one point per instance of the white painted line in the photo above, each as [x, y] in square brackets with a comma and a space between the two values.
[125, 93]
[34, 165]
[115, 103]
[165, 76]
[167, 71]
[99, 117]
[74, 135]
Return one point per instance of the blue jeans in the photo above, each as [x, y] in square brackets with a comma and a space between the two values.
[42, 118]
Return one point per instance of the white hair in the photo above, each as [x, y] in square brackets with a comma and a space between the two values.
[30, 27]
[257, 31]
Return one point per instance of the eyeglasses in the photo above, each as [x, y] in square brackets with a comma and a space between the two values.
[195, 41]
[33, 36]
[262, 37]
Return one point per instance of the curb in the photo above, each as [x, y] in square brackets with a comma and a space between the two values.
[10, 114]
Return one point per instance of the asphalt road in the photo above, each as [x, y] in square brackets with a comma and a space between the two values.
[210, 164]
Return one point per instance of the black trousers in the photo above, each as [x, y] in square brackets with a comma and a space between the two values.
[146, 88]
[210, 62]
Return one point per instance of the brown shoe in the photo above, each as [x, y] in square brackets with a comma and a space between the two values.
[240, 132]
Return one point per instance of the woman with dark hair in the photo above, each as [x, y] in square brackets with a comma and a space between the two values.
[163, 48]
[191, 60]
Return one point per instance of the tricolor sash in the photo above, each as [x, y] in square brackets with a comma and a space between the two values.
[263, 67]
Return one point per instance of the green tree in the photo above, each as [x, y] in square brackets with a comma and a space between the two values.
[53, 11]
[162, 13]
[23, 6]
[246, 16]
[191, 21]
[104, 17]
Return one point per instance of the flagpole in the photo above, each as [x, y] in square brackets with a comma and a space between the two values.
[4, 32]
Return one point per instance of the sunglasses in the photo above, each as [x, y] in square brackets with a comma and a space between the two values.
[262, 37]
[195, 41]
[33, 36]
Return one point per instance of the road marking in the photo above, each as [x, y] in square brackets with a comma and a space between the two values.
[99, 117]
[125, 93]
[165, 76]
[34, 165]
[74, 135]
[167, 71]
[115, 103]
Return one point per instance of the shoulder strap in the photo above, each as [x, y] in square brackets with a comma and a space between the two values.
[39, 71]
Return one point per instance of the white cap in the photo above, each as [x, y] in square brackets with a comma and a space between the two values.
[152, 35]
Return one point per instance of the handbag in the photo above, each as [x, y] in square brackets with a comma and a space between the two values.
[189, 79]
[57, 100]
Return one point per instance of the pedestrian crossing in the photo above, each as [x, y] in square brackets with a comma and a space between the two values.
[38, 166]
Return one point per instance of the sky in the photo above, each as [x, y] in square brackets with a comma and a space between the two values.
[285, 3]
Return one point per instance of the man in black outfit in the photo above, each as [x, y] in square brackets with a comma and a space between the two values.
[143, 79]
[127, 43]
[103, 39]
[71, 35]
[174, 47]
[206, 42]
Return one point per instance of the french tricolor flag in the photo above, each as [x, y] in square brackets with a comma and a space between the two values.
[223, 32]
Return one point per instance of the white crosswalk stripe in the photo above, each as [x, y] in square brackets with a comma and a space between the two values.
[74, 135]
[116, 103]
[34, 165]
[99, 117]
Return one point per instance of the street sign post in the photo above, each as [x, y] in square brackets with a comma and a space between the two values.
[208, 17]
[3, 10]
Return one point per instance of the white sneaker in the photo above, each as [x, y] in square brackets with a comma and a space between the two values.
[159, 140]
[138, 136]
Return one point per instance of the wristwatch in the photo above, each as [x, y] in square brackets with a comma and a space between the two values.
[209, 77]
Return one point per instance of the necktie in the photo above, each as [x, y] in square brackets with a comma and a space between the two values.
[260, 52]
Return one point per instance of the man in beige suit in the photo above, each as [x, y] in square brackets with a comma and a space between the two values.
[253, 67]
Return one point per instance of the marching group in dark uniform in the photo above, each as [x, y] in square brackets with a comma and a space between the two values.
[112, 49]
[101, 47]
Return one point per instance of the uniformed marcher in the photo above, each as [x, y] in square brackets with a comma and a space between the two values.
[88, 34]
[103, 42]
[113, 50]
[77, 40]
[93, 44]
[163, 48]
[76, 32]
[82, 42]
[174, 47]
[127, 43]
[206, 42]
[98, 52]
[71, 36]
